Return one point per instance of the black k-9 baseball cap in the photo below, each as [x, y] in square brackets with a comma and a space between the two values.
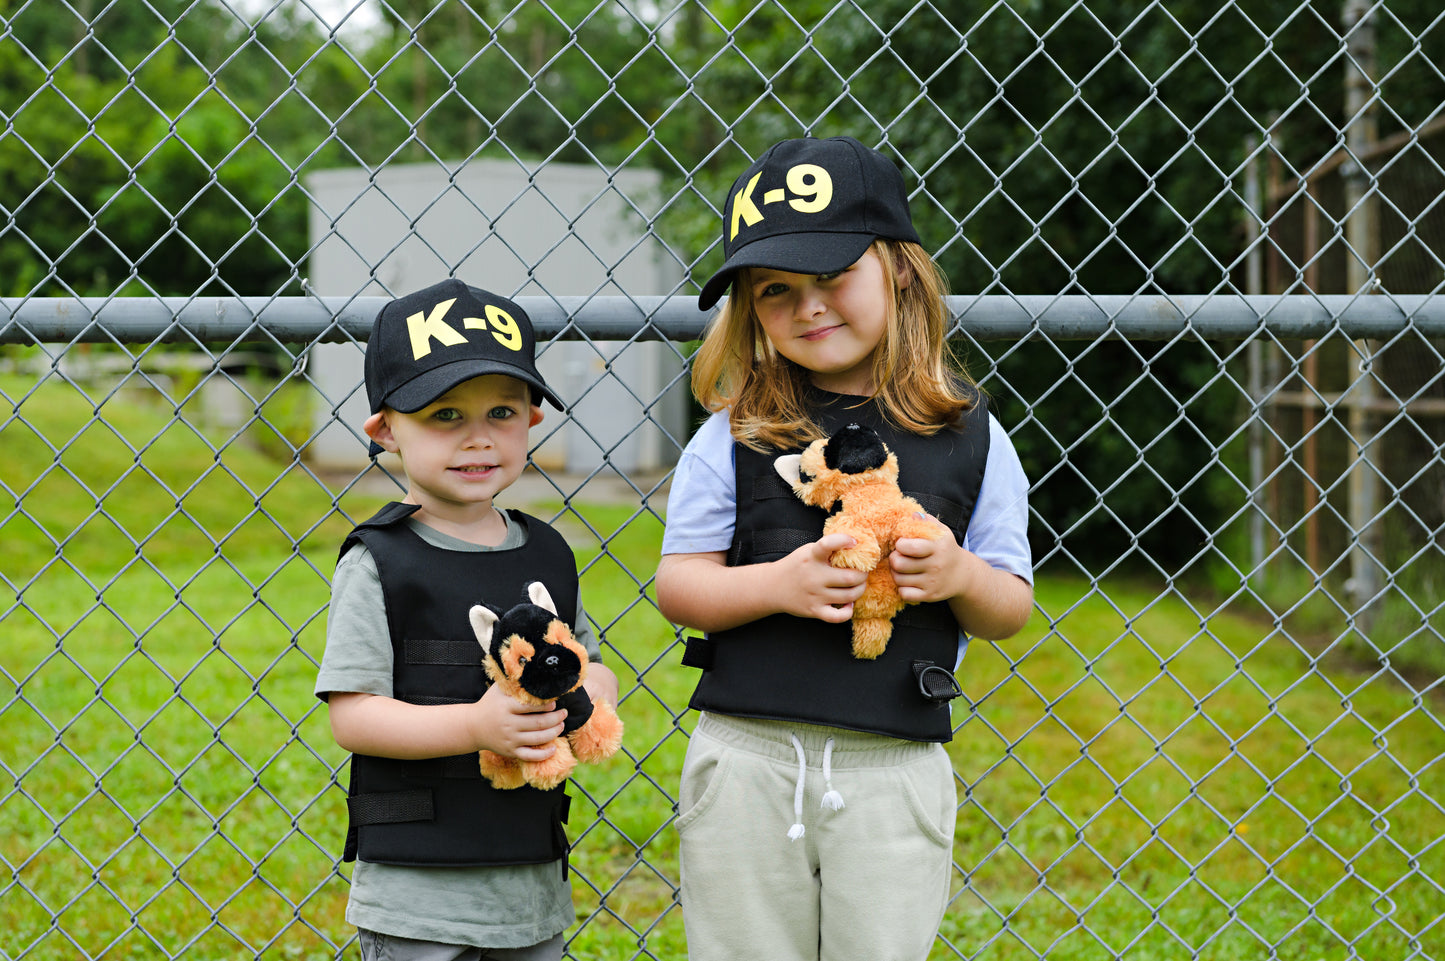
[425, 343]
[810, 206]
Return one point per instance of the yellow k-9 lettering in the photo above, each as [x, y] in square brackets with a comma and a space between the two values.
[810, 184]
[424, 328]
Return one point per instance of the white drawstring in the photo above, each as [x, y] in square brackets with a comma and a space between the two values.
[832, 800]
[797, 830]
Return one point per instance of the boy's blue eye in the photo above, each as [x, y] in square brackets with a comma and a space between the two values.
[502, 413]
[448, 414]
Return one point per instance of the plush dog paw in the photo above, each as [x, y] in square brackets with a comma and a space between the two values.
[923, 528]
[547, 774]
[504, 773]
[861, 557]
[600, 737]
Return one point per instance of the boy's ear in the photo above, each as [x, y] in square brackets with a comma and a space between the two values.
[379, 430]
[535, 416]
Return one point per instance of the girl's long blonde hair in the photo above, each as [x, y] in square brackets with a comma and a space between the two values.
[918, 384]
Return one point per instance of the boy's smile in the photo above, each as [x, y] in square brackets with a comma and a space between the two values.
[463, 448]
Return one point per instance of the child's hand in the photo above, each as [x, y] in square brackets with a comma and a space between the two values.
[601, 684]
[512, 729]
[987, 602]
[813, 587]
[927, 570]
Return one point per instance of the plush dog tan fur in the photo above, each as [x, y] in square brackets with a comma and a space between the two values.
[532, 654]
[856, 471]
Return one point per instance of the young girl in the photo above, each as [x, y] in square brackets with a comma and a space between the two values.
[817, 803]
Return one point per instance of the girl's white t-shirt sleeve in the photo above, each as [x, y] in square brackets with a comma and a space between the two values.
[998, 529]
[702, 502]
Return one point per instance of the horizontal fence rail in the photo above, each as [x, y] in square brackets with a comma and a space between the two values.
[983, 317]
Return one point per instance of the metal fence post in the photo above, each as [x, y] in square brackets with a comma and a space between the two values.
[1362, 239]
[1254, 285]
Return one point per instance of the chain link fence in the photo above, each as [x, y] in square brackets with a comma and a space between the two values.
[1196, 246]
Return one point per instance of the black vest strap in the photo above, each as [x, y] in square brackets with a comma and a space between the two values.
[442, 651]
[390, 807]
[440, 811]
[801, 669]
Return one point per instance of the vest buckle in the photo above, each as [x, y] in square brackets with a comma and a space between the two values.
[935, 683]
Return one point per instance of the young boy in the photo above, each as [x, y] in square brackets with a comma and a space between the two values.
[446, 866]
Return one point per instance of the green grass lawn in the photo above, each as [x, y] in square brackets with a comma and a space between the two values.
[1140, 776]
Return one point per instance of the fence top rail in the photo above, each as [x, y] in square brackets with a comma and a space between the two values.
[31, 320]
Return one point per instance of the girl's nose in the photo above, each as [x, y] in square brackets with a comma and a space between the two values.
[810, 303]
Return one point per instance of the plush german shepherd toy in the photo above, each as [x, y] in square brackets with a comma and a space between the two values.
[532, 654]
[855, 475]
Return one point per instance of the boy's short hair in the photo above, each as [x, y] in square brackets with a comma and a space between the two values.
[425, 343]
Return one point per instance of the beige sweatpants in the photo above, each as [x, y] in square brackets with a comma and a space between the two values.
[868, 881]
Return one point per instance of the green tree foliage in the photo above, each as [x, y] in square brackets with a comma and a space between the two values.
[131, 154]
[1055, 146]
[165, 145]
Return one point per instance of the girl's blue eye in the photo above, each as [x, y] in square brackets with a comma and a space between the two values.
[833, 276]
[772, 289]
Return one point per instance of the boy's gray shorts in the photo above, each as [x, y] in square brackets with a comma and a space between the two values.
[387, 947]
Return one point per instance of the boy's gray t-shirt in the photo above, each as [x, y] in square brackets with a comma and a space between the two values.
[514, 906]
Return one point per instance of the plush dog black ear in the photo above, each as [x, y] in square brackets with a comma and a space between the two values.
[854, 450]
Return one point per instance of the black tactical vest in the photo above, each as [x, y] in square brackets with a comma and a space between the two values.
[441, 811]
[801, 669]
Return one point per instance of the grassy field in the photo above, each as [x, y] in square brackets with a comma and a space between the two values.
[1137, 780]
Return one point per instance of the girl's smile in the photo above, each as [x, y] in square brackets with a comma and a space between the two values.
[828, 324]
[820, 332]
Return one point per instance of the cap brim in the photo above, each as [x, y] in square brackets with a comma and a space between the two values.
[815, 253]
[425, 388]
